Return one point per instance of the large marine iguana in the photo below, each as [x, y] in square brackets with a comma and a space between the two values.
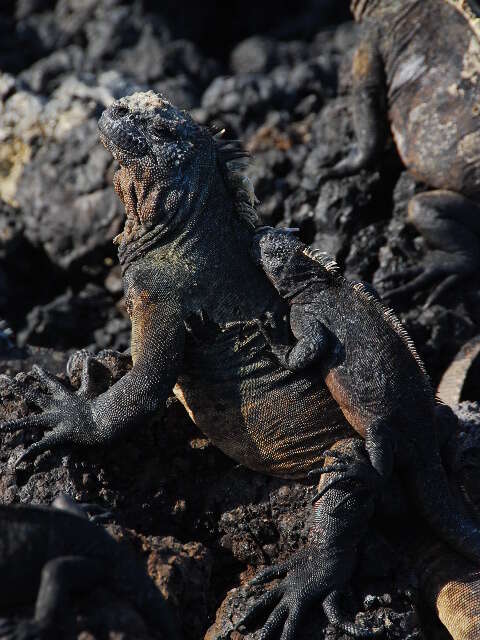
[49, 553]
[194, 294]
[418, 65]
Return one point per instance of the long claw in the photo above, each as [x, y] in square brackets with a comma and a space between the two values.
[328, 485]
[37, 420]
[51, 382]
[336, 455]
[270, 573]
[49, 441]
[264, 602]
[275, 620]
[332, 468]
[290, 628]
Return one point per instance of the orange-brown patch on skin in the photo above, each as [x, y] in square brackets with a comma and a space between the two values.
[452, 586]
[138, 194]
[149, 205]
[125, 190]
[141, 310]
[361, 62]
[357, 420]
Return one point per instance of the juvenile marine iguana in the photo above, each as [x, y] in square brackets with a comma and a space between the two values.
[419, 63]
[371, 368]
[194, 294]
[49, 553]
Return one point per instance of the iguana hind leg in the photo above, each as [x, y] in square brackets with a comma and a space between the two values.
[450, 223]
[326, 565]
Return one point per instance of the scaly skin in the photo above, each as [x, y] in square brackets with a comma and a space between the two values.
[373, 371]
[49, 553]
[417, 66]
[189, 226]
[194, 295]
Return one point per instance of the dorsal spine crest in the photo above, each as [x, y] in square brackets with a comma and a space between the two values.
[330, 265]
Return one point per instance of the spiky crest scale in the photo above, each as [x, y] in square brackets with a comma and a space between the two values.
[330, 265]
[233, 159]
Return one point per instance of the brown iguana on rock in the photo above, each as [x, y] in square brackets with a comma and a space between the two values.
[418, 63]
[193, 294]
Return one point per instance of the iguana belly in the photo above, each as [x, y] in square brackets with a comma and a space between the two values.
[259, 414]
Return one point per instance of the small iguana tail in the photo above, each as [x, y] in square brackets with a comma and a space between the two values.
[451, 385]
[429, 488]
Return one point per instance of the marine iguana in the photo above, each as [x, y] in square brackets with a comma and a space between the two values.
[370, 366]
[418, 65]
[189, 226]
[49, 553]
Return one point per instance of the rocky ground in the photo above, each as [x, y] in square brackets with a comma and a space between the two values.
[277, 78]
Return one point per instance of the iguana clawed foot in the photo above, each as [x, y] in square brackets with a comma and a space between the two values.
[418, 279]
[345, 466]
[23, 630]
[65, 412]
[311, 574]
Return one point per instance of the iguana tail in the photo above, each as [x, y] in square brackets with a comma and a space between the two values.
[453, 380]
[450, 584]
[429, 488]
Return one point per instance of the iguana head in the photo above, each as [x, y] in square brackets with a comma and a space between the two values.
[168, 162]
[161, 151]
[288, 263]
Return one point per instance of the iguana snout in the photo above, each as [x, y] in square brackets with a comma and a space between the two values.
[121, 134]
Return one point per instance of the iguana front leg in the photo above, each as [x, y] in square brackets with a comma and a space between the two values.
[312, 340]
[369, 98]
[158, 335]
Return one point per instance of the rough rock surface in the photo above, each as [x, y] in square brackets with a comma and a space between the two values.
[278, 78]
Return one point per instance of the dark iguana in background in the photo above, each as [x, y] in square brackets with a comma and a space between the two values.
[194, 294]
[48, 554]
[418, 62]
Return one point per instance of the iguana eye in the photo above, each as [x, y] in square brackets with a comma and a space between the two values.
[162, 132]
